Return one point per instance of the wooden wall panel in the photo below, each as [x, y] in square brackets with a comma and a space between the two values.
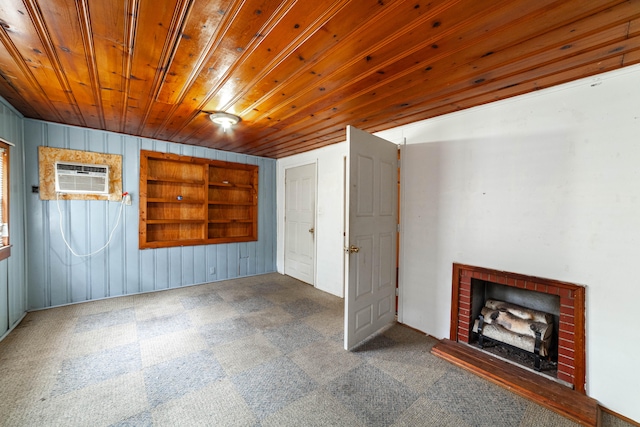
[123, 269]
[13, 302]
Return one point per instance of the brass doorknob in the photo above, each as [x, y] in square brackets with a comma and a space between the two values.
[353, 249]
[311, 230]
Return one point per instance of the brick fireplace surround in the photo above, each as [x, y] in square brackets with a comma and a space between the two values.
[571, 334]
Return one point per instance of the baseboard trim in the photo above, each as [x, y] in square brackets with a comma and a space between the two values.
[619, 416]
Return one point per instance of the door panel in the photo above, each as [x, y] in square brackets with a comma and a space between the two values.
[370, 257]
[300, 198]
[365, 185]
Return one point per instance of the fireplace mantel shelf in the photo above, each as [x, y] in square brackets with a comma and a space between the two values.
[550, 394]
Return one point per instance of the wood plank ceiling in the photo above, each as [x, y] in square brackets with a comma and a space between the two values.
[296, 71]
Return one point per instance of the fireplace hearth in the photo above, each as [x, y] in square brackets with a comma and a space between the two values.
[565, 302]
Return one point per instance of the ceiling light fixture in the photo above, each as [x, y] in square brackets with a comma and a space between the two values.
[225, 120]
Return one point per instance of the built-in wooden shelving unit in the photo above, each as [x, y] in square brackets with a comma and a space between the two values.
[193, 201]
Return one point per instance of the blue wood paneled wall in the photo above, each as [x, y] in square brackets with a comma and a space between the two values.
[13, 285]
[56, 277]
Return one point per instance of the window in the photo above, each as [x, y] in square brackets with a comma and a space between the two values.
[5, 247]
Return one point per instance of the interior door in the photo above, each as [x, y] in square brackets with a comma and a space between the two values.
[299, 220]
[370, 238]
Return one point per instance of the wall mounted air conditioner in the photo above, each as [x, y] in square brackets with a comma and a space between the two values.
[82, 178]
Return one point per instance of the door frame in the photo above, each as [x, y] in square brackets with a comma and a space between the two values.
[401, 220]
[315, 217]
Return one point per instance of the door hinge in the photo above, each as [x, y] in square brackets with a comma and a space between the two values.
[397, 293]
[398, 228]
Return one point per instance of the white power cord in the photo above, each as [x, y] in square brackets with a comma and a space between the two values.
[110, 234]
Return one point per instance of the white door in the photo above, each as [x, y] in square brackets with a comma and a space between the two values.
[299, 222]
[370, 236]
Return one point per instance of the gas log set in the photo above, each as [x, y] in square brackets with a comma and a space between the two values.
[520, 327]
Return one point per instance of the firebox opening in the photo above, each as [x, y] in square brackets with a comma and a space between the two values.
[482, 291]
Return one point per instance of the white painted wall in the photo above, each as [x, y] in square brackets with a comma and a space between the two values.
[329, 214]
[546, 184]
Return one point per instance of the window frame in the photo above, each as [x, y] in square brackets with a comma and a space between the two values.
[5, 243]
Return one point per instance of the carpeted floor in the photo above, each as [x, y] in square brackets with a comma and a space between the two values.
[260, 351]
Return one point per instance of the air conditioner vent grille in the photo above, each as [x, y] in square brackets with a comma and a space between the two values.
[82, 178]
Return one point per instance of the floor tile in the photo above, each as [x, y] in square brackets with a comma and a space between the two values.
[158, 308]
[374, 396]
[102, 320]
[327, 322]
[536, 416]
[79, 372]
[203, 300]
[226, 331]
[273, 385]
[143, 419]
[245, 353]
[303, 307]
[424, 412]
[418, 377]
[177, 377]
[211, 314]
[99, 404]
[216, 404]
[293, 336]
[170, 346]
[269, 318]
[317, 409]
[475, 400]
[251, 305]
[264, 288]
[325, 360]
[83, 343]
[163, 325]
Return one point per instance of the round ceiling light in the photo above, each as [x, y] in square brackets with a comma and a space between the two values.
[225, 120]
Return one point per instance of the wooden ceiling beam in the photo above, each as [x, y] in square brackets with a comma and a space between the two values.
[14, 96]
[20, 78]
[153, 21]
[167, 53]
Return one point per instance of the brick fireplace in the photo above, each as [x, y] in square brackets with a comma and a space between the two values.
[571, 315]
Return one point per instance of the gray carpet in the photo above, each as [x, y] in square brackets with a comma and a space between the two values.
[260, 351]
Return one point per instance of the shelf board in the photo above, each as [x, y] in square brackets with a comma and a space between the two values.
[220, 202]
[230, 239]
[167, 200]
[175, 221]
[175, 180]
[230, 221]
[229, 184]
[173, 242]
